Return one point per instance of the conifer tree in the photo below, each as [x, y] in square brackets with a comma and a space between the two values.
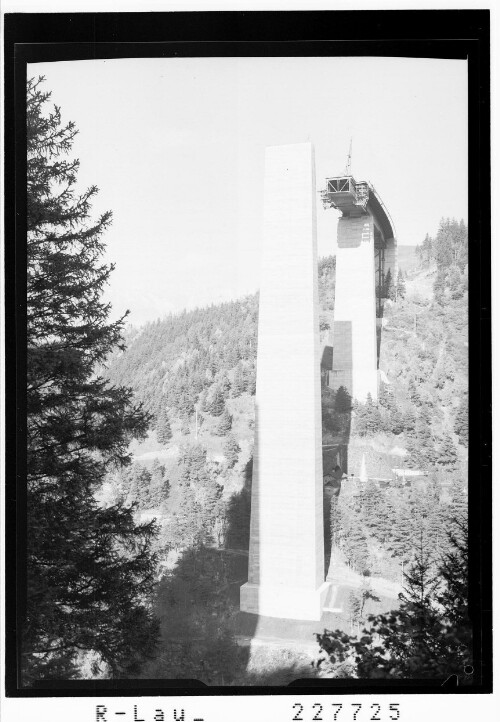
[436, 526]
[401, 532]
[90, 569]
[143, 487]
[454, 570]
[401, 286]
[461, 426]
[205, 402]
[413, 394]
[396, 421]
[231, 450]
[409, 421]
[386, 397]
[439, 286]
[193, 475]
[429, 636]
[368, 418]
[447, 452]
[217, 403]
[200, 495]
[159, 486]
[371, 504]
[356, 547]
[163, 428]
[238, 385]
[389, 288]
[459, 502]
[185, 428]
[455, 283]
[416, 454]
[225, 384]
[427, 252]
[225, 423]
[251, 380]
[443, 246]
[343, 401]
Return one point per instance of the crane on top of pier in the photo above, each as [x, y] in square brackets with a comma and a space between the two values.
[348, 165]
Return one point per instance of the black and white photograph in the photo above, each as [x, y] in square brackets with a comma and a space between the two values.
[247, 371]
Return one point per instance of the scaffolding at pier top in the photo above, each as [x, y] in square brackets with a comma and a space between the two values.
[356, 199]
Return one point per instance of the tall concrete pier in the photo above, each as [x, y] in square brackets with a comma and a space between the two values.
[366, 250]
[286, 573]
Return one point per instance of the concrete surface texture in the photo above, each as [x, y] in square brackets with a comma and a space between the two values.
[286, 573]
[354, 331]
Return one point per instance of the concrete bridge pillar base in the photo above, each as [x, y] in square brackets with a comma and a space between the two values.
[284, 602]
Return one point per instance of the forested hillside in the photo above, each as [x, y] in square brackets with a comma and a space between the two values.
[195, 373]
[199, 357]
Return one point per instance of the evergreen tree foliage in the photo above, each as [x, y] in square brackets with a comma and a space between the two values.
[163, 428]
[90, 569]
[449, 252]
[440, 286]
[449, 248]
[217, 404]
[179, 362]
[421, 446]
[459, 501]
[402, 534]
[436, 523]
[389, 287]
[386, 397]
[455, 283]
[368, 418]
[343, 401]
[372, 507]
[356, 549]
[400, 286]
[251, 379]
[200, 497]
[143, 486]
[239, 382]
[225, 423]
[231, 450]
[461, 426]
[442, 247]
[224, 383]
[447, 452]
[409, 420]
[453, 592]
[427, 249]
[429, 636]
[396, 421]
[159, 484]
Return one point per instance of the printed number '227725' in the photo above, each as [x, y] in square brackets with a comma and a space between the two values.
[341, 712]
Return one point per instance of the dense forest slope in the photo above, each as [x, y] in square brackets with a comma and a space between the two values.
[195, 373]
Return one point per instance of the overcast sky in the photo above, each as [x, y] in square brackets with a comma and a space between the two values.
[176, 147]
